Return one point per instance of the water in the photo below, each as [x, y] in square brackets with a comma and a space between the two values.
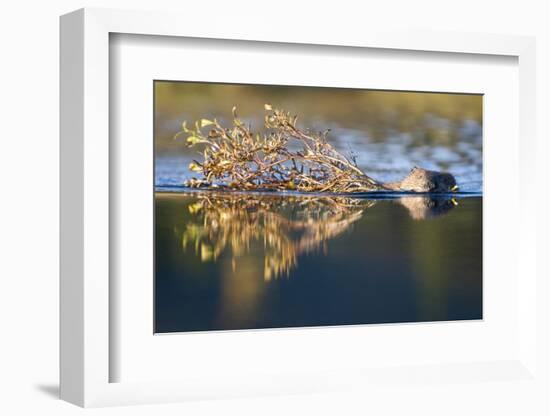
[241, 261]
[388, 131]
[389, 160]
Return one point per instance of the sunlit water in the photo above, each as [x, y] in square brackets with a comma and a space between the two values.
[241, 260]
[388, 160]
[245, 260]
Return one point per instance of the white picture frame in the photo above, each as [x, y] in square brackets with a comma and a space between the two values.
[85, 208]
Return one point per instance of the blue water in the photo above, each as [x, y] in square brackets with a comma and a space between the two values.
[388, 160]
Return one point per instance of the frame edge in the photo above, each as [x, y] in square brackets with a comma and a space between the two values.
[71, 218]
[82, 353]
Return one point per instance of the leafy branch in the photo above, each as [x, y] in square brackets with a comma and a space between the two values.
[238, 158]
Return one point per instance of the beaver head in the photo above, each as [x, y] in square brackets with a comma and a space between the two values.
[422, 180]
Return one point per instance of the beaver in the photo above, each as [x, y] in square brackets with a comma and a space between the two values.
[423, 180]
[418, 180]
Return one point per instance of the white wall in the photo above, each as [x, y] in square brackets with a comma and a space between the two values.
[29, 208]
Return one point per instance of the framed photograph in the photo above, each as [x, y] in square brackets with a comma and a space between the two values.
[284, 229]
[279, 212]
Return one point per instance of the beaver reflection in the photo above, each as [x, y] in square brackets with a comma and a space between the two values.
[425, 207]
[285, 227]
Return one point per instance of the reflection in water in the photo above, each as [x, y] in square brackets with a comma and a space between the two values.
[426, 207]
[287, 226]
[276, 261]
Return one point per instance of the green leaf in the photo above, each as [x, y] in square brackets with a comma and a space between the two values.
[195, 167]
[205, 122]
[192, 139]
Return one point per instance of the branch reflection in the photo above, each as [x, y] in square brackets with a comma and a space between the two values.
[281, 228]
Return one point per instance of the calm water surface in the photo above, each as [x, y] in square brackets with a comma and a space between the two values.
[389, 132]
[238, 261]
[241, 261]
